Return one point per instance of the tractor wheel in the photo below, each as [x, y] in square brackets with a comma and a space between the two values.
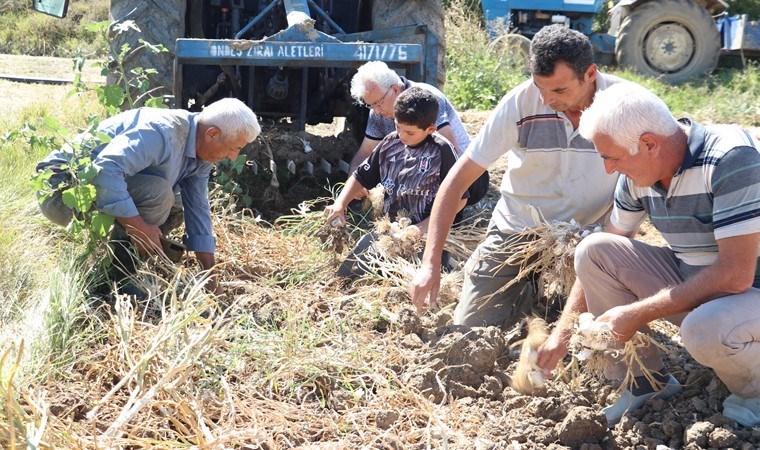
[396, 13]
[160, 22]
[513, 50]
[671, 39]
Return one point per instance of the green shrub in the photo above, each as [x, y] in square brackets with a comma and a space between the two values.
[478, 73]
[726, 96]
[749, 7]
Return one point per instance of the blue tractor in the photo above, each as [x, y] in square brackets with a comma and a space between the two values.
[290, 60]
[672, 39]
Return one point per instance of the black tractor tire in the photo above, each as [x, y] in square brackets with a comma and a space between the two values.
[674, 40]
[160, 22]
[396, 13]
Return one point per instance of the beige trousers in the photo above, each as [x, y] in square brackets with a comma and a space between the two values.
[723, 334]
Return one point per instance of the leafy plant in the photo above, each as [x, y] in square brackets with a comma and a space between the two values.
[131, 88]
[226, 175]
[76, 181]
[479, 73]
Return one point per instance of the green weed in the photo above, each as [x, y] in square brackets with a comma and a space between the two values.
[726, 96]
[478, 73]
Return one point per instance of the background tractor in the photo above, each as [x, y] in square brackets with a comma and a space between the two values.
[672, 39]
[291, 60]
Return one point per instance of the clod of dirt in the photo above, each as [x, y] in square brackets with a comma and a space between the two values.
[672, 429]
[424, 381]
[721, 438]
[333, 236]
[386, 419]
[475, 349]
[458, 364]
[698, 434]
[582, 424]
[412, 342]
[396, 296]
[408, 320]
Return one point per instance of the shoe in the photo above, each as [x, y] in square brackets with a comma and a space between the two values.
[745, 411]
[629, 402]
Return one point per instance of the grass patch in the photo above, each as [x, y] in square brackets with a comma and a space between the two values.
[24, 31]
[37, 282]
[726, 96]
[479, 75]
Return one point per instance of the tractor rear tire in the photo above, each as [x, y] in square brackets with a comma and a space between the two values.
[396, 13]
[672, 39]
[160, 22]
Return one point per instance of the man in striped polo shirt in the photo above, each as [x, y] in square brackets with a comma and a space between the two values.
[700, 187]
[553, 174]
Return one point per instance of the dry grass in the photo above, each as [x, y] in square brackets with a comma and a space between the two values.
[277, 363]
[549, 250]
[528, 377]
[594, 345]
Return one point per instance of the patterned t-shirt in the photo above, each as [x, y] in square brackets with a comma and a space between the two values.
[378, 126]
[715, 194]
[410, 176]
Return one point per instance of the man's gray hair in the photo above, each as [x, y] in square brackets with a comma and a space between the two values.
[624, 112]
[232, 117]
[373, 72]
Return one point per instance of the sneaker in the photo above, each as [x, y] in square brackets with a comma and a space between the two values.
[745, 411]
[629, 402]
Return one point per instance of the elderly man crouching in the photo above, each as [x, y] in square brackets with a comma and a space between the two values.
[700, 187]
[153, 154]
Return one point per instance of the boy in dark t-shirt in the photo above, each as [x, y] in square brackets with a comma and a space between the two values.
[409, 163]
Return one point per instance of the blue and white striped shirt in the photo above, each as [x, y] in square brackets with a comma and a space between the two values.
[715, 194]
[151, 141]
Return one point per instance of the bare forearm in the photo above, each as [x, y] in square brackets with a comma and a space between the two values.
[349, 191]
[425, 223]
[133, 223]
[440, 221]
[576, 304]
[144, 236]
[447, 203]
[707, 285]
[732, 273]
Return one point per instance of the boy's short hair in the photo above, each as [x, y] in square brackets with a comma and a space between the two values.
[416, 106]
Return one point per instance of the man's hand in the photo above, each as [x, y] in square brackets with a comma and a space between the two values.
[624, 322]
[146, 237]
[334, 212]
[551, 352]
[208, 262]
[426, 281]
